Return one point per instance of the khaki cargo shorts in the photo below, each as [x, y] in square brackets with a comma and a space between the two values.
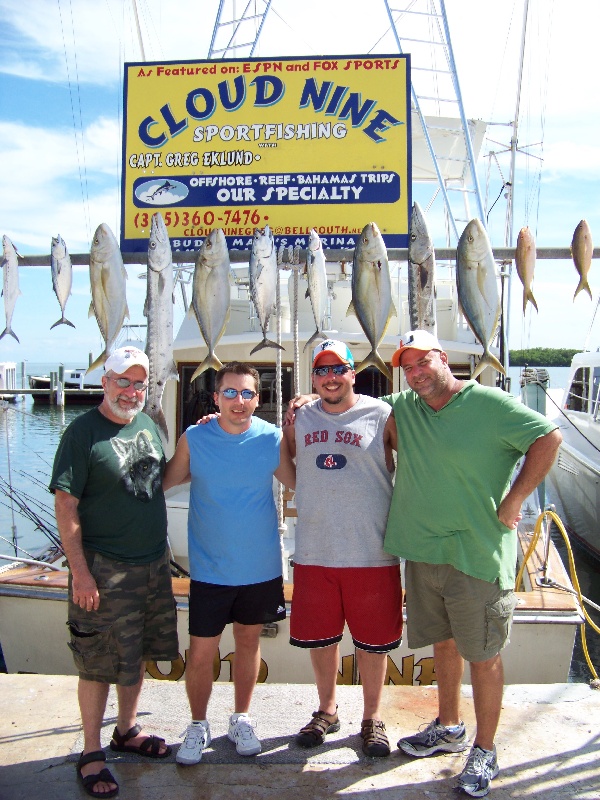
[136, 621]
[443, 603]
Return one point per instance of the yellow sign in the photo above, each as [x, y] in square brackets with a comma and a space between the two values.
[296, 144]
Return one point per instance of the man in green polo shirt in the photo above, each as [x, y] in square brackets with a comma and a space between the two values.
[453, 518]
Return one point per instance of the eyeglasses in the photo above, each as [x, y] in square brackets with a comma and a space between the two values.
[123, 383]
[337, 369]
[231, 394]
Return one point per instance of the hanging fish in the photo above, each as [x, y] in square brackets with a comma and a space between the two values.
[211, 295]
[263, 275]
[107, 281]
[421, 274]
[317, 283]
[478, 290]
[525, 261]
[582, 250]
[10, 284]
[372, 293]
[62, 276]
[158, 310]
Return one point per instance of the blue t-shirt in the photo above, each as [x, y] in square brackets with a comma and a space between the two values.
[233, 536]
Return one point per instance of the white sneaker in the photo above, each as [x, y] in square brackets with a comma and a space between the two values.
[197, 737]
[241, 732]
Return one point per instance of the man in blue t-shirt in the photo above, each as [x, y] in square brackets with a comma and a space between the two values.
[234, 548]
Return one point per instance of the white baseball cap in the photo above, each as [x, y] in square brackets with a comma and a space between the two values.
[335, 347]
[417, 340]
[121, 359]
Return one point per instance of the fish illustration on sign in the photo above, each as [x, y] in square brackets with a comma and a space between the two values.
[62, 276]
[478, 290]
[107, 280]
[582, 250]
[421, 274]
[525, 261]
[372, 293]
[158, 310]
[263, 276]
[211, 295]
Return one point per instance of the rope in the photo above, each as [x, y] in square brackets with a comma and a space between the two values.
[279, 382]
[595, 683]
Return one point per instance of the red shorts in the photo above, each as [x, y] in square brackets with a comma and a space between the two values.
[369, 599]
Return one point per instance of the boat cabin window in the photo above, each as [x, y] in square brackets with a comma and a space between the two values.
[595, 388]
[577, 398]
[372, 382]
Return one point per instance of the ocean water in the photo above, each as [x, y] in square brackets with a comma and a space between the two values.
[29, 436]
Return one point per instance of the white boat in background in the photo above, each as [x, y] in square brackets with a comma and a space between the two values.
[80, 388]
[575, 476]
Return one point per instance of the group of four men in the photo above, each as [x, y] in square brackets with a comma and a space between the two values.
[449, 512]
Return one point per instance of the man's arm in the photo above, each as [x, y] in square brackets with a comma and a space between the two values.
[85, 591]
[178, 466]
[286, 471]
[538, 460]
[390, 440]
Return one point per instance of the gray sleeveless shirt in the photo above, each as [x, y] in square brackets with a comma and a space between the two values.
[343, 486]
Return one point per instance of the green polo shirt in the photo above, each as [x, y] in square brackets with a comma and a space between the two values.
[454, 468]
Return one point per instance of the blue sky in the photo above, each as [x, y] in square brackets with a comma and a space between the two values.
[60, 134]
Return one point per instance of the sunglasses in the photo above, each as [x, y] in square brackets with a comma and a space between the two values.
[231, 394]
[123, 383]
[337, 369]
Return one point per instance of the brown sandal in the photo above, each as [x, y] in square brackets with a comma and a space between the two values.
[317, 729]
[375, 740]
[149, 747]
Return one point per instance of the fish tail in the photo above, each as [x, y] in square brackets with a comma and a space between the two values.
[62, 321]
[316, 335]
[528, 296]
[210, 362]
[266, 343]
[375, 360]
[487, 360]
[584, 286]
[8, 330]
[98, 362]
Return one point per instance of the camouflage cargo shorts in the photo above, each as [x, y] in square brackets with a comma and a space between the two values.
[135, 622]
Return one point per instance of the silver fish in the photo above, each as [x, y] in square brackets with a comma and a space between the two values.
[317, 283]
[263, 282]
[478, 290]
[62, 276]
[372, 293]
[158, 310]
[421, 274]
[107, 281]
[582, 250]
[525, 262]
[211, 296]
[10, 284]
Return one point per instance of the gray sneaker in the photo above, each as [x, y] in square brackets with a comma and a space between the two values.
[480, 769]
[197, 737]
[435, 738]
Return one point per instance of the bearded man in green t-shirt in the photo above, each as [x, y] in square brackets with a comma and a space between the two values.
[112, 520]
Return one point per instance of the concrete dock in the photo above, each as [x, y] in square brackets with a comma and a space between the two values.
[548, 745]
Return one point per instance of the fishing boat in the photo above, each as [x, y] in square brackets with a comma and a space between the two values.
[575, 476]
[79, 388]
[33, 596]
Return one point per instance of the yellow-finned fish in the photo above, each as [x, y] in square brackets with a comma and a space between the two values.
[317, 283]
[582, 250]
[478, 290]
[525, 261]
[421, 274]
[158, 310]
[108, 278]
[372, 293]
[211, 295]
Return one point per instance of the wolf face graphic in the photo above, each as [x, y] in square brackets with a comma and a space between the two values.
[139, 464]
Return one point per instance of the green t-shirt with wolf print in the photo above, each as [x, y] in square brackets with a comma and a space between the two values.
[116, 473]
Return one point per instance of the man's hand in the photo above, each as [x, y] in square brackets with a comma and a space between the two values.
[297, 402]
[509, 513]
[85, 592]
[207, 418]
